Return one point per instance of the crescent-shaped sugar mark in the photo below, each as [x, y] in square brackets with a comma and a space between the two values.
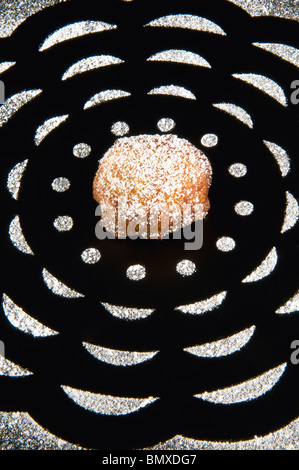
[173, 90]
[106, 404]
[264, 269]
[192, 22]
[10, 369]
[14, 178]
[291, 306]
[237, 112]
[264, 84]
[281, 157]
[48, 126]
[180, 56]
[16, 102]
[282, 439]
[246, 391]
[58, 287]
[204, 306]
[291, 213]
[17, 237]
[19, 425]
[24, 322]
[223, 347]
[128, 313]
[6, 66]
[283, 51]
[75, 30]
[117, 357]
[106, 95]
[90, 63]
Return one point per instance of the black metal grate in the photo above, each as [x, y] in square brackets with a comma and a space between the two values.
[172, 375]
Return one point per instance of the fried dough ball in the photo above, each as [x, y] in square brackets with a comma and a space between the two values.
[151, 185]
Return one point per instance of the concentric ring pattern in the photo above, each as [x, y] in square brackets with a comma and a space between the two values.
[147, 341]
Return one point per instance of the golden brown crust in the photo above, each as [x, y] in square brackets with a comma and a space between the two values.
[151, 172]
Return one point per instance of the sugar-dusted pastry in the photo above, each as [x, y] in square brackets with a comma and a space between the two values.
[151, 185]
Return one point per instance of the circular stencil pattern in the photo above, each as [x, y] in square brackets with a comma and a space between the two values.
[166, 124]
[198, 342]
[225, 244]
[60, 185]
[120, 128]
[63, 223]
[82, 150]
[209, 140]
[244, 208]
[136, 272]
[186, 267]
[238, 170]
[91, 256]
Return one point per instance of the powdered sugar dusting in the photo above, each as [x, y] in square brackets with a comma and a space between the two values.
[106, 404]
[136, 272]
[15, 177]
[246, 391]
[186, 267]
[192, 22]
[265, 84]
[153, 173]
[128, 313]
[75, 30]
[291, 306]
[173, 90]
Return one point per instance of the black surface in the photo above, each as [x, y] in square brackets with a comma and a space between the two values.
[173, 375]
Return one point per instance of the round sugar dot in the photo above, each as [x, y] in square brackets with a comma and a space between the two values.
[136, 272]
[120, 128]
[238, 170]
[63, 223]
[186, 267]
[225, 244]
[60, 185]
[91, 256]
[82, 150]
[244, 208]
[166, 124]
[209, 140]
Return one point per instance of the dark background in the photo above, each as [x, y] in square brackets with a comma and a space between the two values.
[173, 375]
